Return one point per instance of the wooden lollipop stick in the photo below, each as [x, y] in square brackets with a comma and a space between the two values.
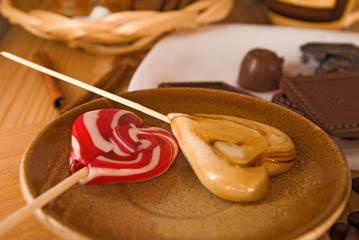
[86, 86]
[41, 200]
[108, 82]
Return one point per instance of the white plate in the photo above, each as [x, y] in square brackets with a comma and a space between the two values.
[214, 53]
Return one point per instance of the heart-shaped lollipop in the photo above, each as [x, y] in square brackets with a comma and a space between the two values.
[231, 156]
[116, 146]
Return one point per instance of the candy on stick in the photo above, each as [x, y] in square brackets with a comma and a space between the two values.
[231, 156]
[108, 146]
[116, 146]
[210, 143]
[52, 193]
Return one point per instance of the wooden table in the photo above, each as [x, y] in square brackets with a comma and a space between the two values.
[25, 107]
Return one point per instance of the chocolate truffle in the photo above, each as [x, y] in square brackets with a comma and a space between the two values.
[261, 70]
[353, 219]
[338, 231]
[355, 184]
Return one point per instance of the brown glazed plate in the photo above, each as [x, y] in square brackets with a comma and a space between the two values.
[301, 204]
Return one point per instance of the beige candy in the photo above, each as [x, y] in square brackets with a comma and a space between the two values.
[233, 157]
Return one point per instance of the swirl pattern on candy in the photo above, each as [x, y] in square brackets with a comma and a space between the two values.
[233, 157]
[116, 146]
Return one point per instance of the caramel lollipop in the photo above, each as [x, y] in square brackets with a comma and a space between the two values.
[231, 156]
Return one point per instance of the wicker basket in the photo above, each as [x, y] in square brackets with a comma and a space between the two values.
[117, 33]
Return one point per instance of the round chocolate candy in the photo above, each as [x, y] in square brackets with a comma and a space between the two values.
[338, 231]
[352, 234]
[353, 219]
[355, 184]
[261, 70]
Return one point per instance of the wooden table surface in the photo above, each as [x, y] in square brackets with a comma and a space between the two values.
[25, 107]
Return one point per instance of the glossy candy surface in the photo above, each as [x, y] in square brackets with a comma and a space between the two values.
[261, 70]
[116, 146]
[233, 157]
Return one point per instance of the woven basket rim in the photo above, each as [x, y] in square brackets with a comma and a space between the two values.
[119, 32]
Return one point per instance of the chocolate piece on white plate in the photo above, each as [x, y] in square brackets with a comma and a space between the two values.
[281, 99]
[329, 100]
[260, 70]
[332, 56]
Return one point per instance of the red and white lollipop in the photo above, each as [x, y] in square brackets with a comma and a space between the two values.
[117, 146]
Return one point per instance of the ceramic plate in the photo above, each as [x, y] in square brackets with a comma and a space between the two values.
[214, 53]
[302, 203]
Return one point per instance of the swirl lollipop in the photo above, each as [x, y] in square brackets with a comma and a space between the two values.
[233, 157]
[116, 146]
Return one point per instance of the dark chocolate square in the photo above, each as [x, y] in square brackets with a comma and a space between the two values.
[282, 99]
[329, 100]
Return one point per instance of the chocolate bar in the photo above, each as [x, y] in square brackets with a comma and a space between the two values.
[211, 85]
[332, 57]
[282, 99]
[329, 100]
